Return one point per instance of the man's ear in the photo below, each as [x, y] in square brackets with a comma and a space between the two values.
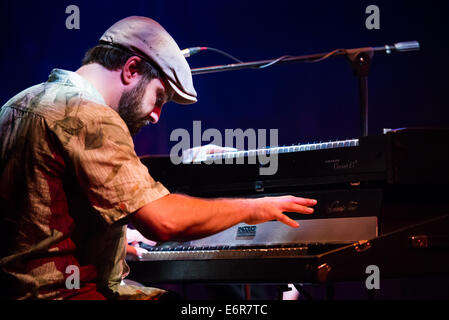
[129, 70]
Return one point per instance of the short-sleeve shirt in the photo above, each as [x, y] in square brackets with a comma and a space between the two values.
[68, 176]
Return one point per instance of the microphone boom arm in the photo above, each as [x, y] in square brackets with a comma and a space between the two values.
[399, 47]
[359, 58]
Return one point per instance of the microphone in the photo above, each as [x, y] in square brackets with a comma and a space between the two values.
[406, 46]
[191, 51]
[400, 47]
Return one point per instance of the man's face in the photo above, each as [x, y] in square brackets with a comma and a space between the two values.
[143, 104]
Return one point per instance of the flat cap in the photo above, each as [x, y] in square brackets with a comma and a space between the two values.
[148, 39]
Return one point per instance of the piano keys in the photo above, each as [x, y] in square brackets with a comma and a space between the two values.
[272, 239]
[401, 157]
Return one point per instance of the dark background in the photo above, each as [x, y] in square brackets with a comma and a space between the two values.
[306, 102]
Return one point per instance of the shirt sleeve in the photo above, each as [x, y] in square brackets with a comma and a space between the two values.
[106, 166]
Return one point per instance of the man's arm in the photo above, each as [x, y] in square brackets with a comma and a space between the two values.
[179, 217]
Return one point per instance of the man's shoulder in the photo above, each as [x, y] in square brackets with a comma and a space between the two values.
[56, 102]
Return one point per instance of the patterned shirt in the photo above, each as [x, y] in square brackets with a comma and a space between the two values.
[68, 176]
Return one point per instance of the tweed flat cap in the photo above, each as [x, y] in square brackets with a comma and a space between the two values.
[148, 39]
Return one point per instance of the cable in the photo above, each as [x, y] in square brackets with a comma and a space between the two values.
[191, 51]
[272, 62]
[223, 53]
[308, 61]
[327, 55]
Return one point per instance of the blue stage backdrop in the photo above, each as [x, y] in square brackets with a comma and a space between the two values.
[306, 102]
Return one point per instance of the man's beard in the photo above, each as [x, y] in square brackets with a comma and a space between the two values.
[130, 104]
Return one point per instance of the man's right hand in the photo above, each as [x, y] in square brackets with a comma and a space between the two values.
[272, 208]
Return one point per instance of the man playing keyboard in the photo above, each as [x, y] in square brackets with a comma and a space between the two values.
[71, 180]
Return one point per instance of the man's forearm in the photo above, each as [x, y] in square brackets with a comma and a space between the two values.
[180, 217]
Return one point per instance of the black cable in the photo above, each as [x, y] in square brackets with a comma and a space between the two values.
[330, 54]
[272, 62]
[337, 51]
[223, 53]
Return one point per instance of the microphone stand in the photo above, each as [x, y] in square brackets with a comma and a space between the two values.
[359, 59]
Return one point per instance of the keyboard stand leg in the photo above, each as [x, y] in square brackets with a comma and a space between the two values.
[303, 291]
[281, 288]
[330, 291]
[247, 287]
[371, 294]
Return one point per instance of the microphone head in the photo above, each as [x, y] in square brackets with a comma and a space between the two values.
[191, 51]
[186, 52]
[407, 46]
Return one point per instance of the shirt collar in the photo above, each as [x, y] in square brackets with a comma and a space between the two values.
[69, 78]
